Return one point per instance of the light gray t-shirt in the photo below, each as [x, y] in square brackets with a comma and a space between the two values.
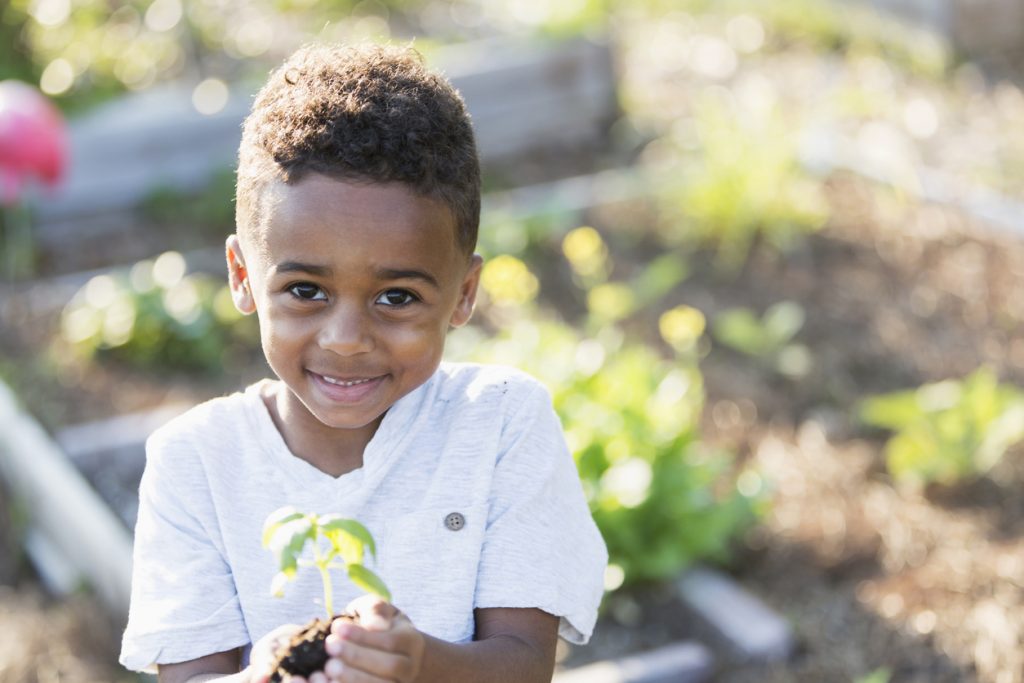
[481, 441]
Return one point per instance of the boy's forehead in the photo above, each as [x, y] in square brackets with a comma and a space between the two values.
[349, 209]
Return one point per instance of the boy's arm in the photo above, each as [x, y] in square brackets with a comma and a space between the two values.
[510, 645]
[213, 667]
[513, 645]
[223, 666]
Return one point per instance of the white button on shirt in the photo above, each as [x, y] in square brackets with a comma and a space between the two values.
[467, 487]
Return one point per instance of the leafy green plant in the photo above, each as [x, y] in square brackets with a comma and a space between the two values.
[611, 301]
[838, 27]
[948, 431]
[207, 212]
[338, 543]
[743, 182]
[92, 46]
[768, 338]
[660, 496]
[157, 317]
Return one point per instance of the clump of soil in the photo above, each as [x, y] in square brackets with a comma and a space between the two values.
[305, 653]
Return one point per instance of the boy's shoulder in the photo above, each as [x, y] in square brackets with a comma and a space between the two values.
[220, 417]
[476, 381]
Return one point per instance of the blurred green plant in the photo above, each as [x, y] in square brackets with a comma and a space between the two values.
[841, 27]
[743, 182]
[881, 675]
[78, 47]
[831, 26]
[159, 318]
[660, 496]
[210, 211]
[589, 258]
[948, 431]
[768, 338]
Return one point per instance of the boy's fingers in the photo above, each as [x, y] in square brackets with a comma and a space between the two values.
[353, 676]
[360, 659]
[393, 655]
[373, 612]
[351, 636]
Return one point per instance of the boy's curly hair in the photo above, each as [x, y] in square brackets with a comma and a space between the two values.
[366, 113]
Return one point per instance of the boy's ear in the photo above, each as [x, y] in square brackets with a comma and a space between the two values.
[467, 293]
[238, 277]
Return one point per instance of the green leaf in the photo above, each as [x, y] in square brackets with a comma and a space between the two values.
[740, 330]
[891, 411]
[368, 581]
[877, 676]
[278, 583]
[337, 528]
[782, 321]
[275, 519]
[910, 456]
[1003, 432]
[287, 542]
[659, 277]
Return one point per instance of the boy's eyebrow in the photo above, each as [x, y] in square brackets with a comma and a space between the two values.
[400, 274]
[381, 273]
[299, 267]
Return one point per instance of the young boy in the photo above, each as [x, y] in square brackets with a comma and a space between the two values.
[357, 212]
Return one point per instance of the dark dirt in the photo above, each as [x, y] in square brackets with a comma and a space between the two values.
[304, 653]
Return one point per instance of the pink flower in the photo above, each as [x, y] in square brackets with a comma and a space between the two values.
[33, 139]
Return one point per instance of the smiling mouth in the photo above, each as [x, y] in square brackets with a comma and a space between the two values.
[346, 383]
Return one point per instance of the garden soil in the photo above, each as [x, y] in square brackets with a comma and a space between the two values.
[305, 653]
[928, 585]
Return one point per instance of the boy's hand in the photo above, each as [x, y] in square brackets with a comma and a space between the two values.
[384, 647]
[263, 655]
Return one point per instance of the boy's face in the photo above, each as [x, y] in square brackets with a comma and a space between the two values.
[356, 285]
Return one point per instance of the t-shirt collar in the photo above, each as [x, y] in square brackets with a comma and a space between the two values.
[402, 420]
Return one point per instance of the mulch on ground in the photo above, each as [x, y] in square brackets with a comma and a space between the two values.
[928, 585]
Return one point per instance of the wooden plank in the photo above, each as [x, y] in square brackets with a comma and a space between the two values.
[750, 629]
[522, 96]
[63, 506]
[683, 662]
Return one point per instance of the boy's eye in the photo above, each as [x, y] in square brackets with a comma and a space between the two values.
[396, 297]
[307, 291]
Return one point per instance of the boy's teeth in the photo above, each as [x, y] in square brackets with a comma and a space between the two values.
[331, 380]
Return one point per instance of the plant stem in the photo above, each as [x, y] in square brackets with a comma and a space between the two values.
[322, 563]
[328, 596]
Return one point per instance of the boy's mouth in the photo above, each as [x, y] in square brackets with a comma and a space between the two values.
[347, 389]
[346, 383]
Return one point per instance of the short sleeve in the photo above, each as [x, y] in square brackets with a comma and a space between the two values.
[541, 547]
[183, 603]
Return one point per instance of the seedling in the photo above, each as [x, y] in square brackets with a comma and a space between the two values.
[338, 543]
[286, 533]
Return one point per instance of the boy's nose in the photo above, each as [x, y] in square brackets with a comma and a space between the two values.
[347, 331]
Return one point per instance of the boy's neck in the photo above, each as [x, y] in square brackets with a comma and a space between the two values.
[332, 451]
